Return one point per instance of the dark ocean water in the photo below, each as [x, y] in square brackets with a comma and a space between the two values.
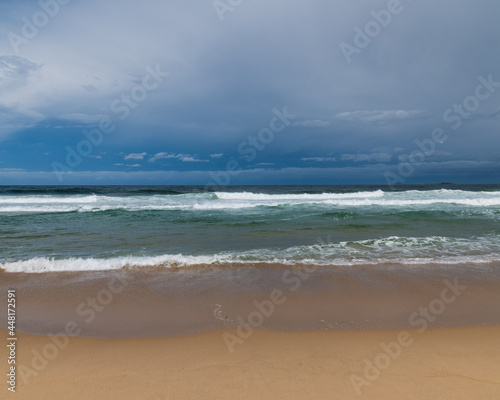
[109, 227]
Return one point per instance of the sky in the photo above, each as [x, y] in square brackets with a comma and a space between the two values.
[232, 92]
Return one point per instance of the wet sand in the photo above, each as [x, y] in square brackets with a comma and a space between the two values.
[155, 302]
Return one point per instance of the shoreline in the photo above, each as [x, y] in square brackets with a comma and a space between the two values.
[183, 301]
[175, 302]
[437, 363]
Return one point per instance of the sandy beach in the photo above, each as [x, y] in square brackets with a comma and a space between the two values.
[460, 363]
[273, 332]
[163, 302]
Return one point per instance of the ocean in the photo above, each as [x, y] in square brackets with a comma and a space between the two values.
[63, 228]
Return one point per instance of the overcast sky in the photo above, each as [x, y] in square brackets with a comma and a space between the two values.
[187, 92]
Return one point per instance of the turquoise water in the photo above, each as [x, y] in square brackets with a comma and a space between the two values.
[109, 227]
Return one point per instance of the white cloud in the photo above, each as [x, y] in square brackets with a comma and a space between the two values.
[186, 158]
[83, 118]
[377, 157]
[318, 159]
[12, 169]
[160, 156]
[182, 157]
[127, 165]
[379, 116]
[135, 156]
[13, 67]
[316, 123]
[216, 155]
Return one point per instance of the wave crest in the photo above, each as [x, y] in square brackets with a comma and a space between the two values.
[392, 250]
[243, 200]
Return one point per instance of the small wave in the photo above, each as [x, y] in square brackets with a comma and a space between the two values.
[389, 250]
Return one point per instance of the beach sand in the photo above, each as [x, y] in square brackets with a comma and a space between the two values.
[175, 302]
[429, 332]
[456, 363]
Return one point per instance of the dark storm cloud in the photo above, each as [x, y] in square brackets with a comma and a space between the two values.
[227, 76]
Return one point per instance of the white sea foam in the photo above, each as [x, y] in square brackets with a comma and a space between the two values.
[394, 249]
[297, 197]
[48, 199]
[244, 200]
